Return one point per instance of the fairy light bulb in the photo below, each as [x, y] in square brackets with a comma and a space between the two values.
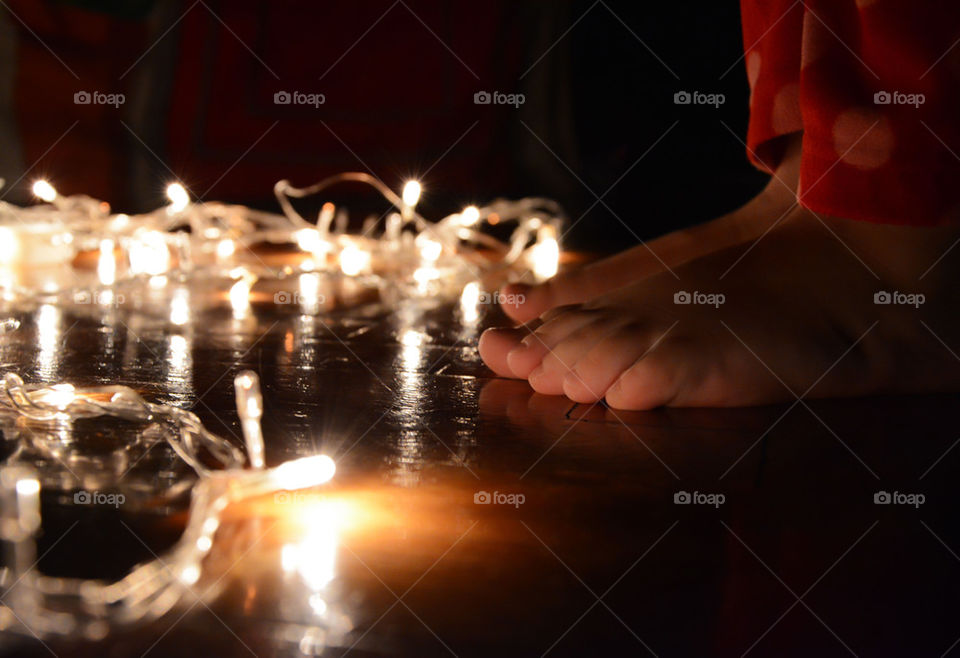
[240, 298]
[225, 249]
[305, 472]
[411, 193]
[469, 216]
[430, 249]
[44, 191]
[250, 409]
[354, 260]
[469, 301]
[545, 254]
[60, 395]
[179, 199]
[149, 253]
[9, 245]
[106, 263]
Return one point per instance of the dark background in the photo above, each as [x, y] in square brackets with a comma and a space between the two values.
[399, 79]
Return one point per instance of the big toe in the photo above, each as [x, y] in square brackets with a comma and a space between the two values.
[494, 346]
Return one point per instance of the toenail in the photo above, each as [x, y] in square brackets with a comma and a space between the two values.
[529, 340]
[537, 372]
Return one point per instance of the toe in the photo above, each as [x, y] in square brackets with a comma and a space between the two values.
[494, 346]
[563, 357]
[528, 355]
[652, 381]
[601, 365]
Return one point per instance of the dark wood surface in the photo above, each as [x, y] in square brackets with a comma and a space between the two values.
[598, 560]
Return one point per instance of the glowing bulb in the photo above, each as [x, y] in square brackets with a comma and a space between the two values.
[60, 395]
[106, 264]
[44, 191]
[149, 253]
[120, 222]
[470, 216]
[240, 297]
[430, 250]
[289, 557]
[190, 574]
[9, 245]
[318, 604]
[305, 472]
[308, 239]
[179, 199]
[249, 400]
[469, 300]
[28, 486]
[545, 254]
[180, 307]
[411, 193]
[354, 260]
[225, 249]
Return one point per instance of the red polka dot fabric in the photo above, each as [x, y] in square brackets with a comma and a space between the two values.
[874, 86]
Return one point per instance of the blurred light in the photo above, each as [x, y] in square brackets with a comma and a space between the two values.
[545, 254]
[179, 199]
[180, 307]
[430, 250]
[60, 395]
[411, 193]
[149, 253]
[190, 574]
[9, 245]
[107, 264]
[308, 239]
[44, 191]
[28, 486]
[469, 300]
[225, 249]
[305, 472]
[354, 260]
[240, 298]
[470, 216]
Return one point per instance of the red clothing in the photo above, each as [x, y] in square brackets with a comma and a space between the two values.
[875, 87]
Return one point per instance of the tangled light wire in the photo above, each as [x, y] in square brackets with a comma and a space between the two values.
[43, 606]
[186, 240]
[400, 250]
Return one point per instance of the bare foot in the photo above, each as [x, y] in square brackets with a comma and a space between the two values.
[800, 312]
[603, 276]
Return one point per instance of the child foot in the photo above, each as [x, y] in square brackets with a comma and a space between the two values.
[589, 281]
[792, 314]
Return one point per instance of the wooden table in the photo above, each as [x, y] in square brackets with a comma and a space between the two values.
[585, 549]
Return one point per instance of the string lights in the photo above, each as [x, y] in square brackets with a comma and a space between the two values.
[400, 253]
[45, 254]
[45, 606]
